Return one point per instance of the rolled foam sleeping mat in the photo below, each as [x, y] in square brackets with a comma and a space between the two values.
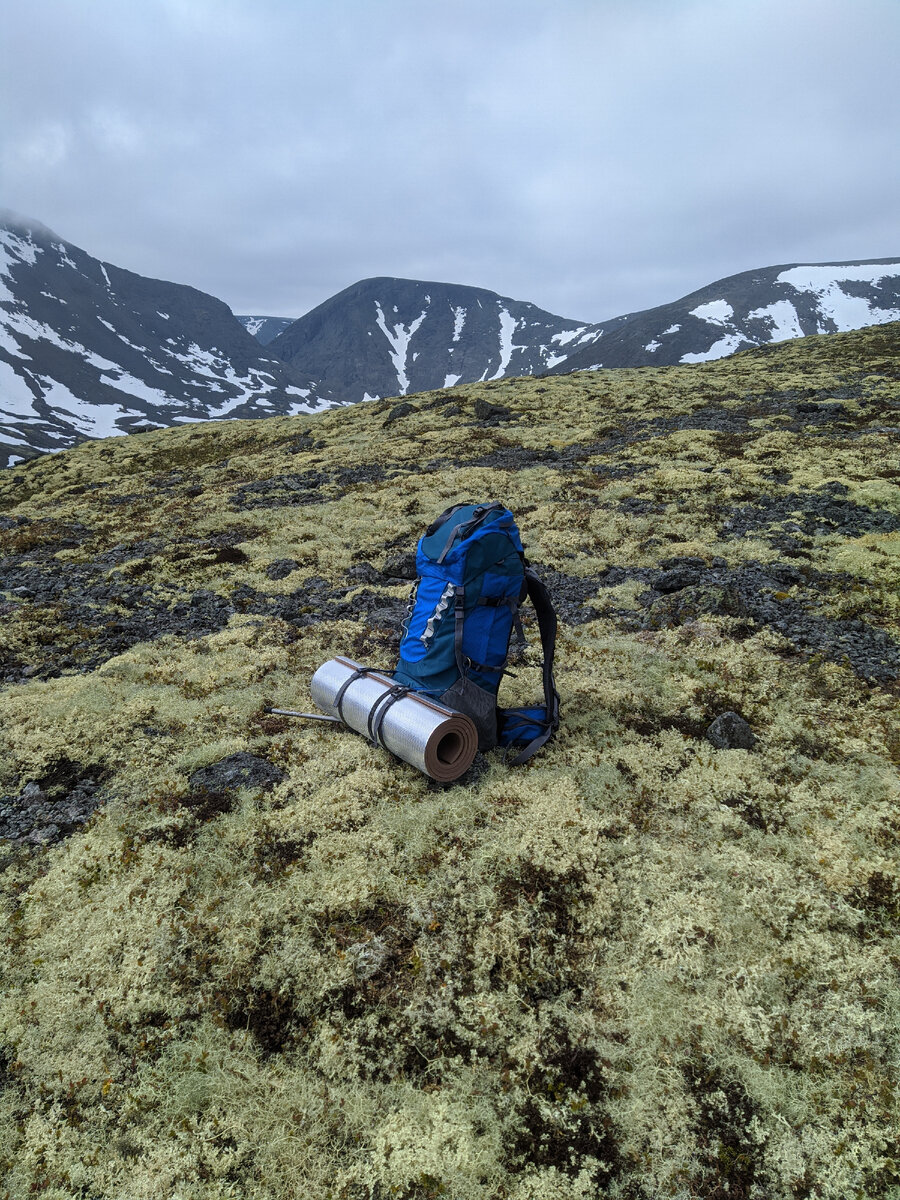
[425, 734]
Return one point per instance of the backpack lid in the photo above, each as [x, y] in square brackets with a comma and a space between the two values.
[458, 523]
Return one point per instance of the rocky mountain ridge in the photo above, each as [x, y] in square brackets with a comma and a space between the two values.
[754, 308]
[88, 349]
[387, 337]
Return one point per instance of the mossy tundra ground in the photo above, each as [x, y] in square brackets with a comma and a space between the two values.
[636, 967]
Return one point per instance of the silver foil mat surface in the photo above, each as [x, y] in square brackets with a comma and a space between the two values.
[425, 734]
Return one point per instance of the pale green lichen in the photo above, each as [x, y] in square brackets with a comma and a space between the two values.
[636, 967]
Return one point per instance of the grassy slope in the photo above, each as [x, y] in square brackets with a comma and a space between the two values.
[637, 966]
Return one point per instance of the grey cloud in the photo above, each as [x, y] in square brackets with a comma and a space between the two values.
[590, 156]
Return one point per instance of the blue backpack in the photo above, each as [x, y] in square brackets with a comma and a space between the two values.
[473, 576]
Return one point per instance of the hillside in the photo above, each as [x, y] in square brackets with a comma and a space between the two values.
[274, 963]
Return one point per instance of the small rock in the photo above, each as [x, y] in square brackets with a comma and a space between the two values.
[730, 732]
[38, 836]
[399, 411]
[683, 560]
[240, 770]
[388, 619]
[280, 568]
[400, 566]
[364, 572]
[485, 411]
[785, 574]
[676, 579]
[688, 603]
[301, 443]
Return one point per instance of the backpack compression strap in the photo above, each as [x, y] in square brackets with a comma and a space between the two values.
[546, 617]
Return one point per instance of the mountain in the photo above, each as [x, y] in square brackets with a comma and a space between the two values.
[753, 308]
[264, 329]
[88, 349]
[256, 957]
[389, 337]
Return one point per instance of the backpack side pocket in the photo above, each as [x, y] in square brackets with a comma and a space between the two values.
[468, 698]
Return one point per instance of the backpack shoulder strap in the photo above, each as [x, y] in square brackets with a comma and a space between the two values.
[546, 617]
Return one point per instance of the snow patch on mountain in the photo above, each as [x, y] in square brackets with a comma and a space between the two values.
[102, 364]
[399, 337]
[18, 325]
[16, 248]
[716, 312]
[782, 319]
[301, 406]
[63, 253]
[10, 344]
[136, 388]
[507, 329]
[13, 249]
[844, 310]
[93, 420]
[567, 335]
[16, 397]
[720, 349]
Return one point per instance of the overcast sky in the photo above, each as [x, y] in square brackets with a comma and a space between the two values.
[595, 157]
